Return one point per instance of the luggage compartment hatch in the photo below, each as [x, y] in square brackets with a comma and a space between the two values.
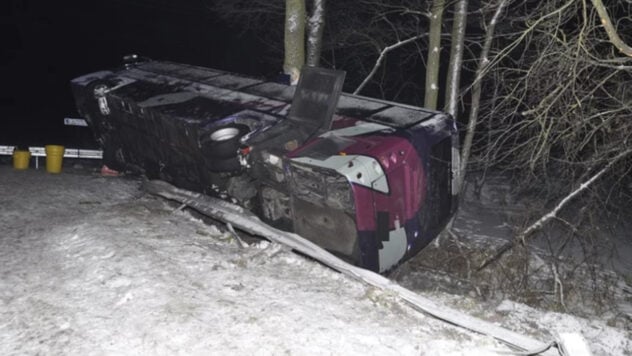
[316, 97]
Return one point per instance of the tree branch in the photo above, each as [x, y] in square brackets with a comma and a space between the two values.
[380, 59]
[610, 30]
[520, 238]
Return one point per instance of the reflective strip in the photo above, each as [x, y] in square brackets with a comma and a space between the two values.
[69, 121]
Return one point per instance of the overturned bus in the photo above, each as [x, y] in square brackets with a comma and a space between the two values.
[369, 180]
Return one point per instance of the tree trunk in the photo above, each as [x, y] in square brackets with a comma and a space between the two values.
[316, 26]
[434, 53]
[456, 57]
[483, 63]
[294, 39]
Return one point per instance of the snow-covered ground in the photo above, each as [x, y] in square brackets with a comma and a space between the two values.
[93, 266]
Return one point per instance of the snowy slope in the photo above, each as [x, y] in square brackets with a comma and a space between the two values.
[92, 266]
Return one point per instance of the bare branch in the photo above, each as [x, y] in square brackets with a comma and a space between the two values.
[610, 30]
[381, 57]
[521, 237]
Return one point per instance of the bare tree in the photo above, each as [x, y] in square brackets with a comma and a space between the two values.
[561, 98]
[559, 109]
[483, 63]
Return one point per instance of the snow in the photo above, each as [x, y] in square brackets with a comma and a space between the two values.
[401, 116]
[207, 87]
[231, 81]
[603, 340]
[91, 265]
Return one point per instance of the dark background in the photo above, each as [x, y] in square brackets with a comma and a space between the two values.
[47, 43]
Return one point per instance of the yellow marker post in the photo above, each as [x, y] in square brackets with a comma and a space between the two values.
[21, 159]
[54, 158]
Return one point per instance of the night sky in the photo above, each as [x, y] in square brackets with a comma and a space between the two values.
[47, 43]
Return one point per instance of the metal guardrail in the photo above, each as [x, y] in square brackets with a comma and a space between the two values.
[68, 152]
[41, 152]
